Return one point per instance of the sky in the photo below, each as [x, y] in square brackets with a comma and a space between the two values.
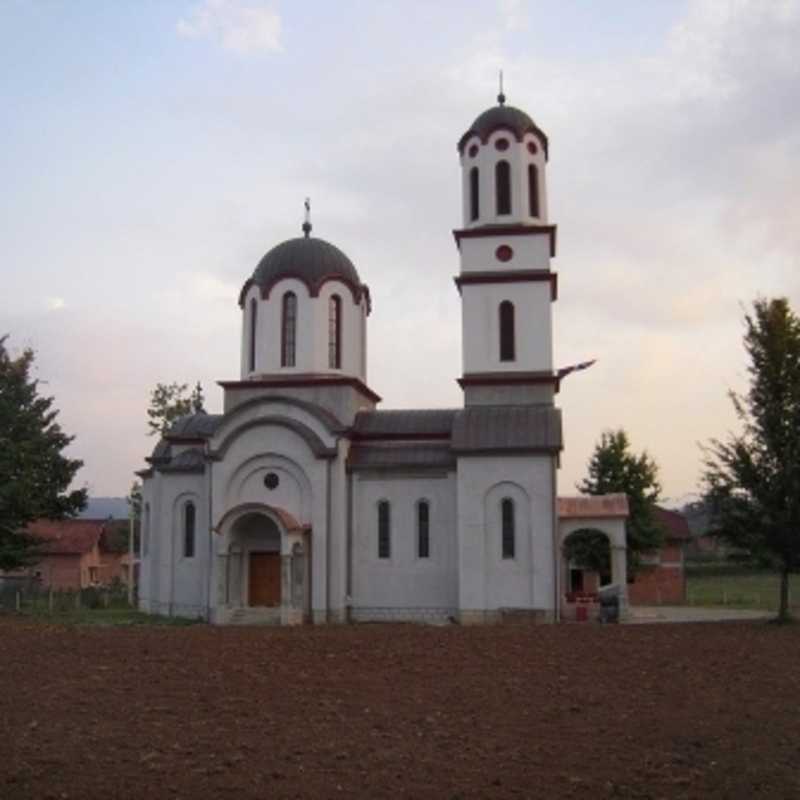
[152, 152]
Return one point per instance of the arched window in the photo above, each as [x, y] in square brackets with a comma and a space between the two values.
[188, 530]
[507, 524]
[335, 332]
[289, 330]
[502, 180]
[423, 529]
[384, 530]
[533, 190]
[474, 198]
[507, 349]
[144, 544]
[253, 321]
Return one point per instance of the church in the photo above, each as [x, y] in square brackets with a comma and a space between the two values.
[304, 502]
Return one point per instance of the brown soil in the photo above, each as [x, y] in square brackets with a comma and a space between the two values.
[655, 711]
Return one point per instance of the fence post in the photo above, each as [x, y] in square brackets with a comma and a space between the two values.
[17, 601]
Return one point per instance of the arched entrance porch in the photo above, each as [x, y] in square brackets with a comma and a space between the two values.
[263, 566]
[591, 544]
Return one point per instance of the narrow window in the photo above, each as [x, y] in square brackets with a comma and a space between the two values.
[188, 530]
[533, 190]
[502, 177]
[145, 543]
[289, 330]
[474, 199]
[423, 530]
[335, 332]
[253, 321]
[384, 531]
[507, 515]
[507, 348]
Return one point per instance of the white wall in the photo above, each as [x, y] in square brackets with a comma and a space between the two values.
[486, 580]
[519, 158]
[171, 583]
[404, 581]
[312, 330]
[481, 326]
[531, 251]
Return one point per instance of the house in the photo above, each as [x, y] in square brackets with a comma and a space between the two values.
[75, 554]
[303, 501]
[662, 578]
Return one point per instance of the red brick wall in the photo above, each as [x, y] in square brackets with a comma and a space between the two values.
[659, 584]
[60, 572]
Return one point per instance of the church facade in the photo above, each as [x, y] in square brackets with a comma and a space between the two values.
[304, 502]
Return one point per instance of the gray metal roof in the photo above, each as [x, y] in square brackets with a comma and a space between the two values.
[401, 456]
[307, 258]
[502, 116]
[191, 460]
[404, 422]
[507, 429]
[195, 426]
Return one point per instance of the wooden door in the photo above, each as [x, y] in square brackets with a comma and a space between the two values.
[265, 579]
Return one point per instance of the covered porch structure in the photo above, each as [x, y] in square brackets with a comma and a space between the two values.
[596, 516]
[263, 564]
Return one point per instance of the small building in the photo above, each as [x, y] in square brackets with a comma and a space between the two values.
[662, 578]
[75, 554]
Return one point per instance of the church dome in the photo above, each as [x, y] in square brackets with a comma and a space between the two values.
[502, 117]
[308, 259]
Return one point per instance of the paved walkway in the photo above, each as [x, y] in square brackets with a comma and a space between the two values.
[640, 615]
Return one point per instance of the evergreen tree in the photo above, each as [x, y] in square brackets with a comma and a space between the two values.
[752, 480]
[614, 468]
[34, 474]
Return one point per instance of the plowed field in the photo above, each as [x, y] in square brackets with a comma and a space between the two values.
[662, 711]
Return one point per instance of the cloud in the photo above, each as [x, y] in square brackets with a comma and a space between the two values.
[55, 303]
[242, 27]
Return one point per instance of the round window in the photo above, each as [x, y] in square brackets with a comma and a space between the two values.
[271, 480]
[532, 148]
[473, 151]
[501, 144]
[504, 253]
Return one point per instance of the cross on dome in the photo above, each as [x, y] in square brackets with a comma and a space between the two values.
[307, 220]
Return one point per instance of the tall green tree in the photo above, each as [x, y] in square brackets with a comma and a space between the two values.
[614, 467]
[35, 475]
[169, 402]
[752, 479]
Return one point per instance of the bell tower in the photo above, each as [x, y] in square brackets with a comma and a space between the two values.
[505, 245]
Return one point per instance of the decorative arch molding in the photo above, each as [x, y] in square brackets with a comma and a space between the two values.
[327, 418]
[310, 437]
[358, 291]
[285, 521]
[263, 462]
[472, 135]
[507, 487]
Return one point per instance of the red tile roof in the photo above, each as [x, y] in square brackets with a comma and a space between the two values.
[67, 536]
[675, 524]
[601, 506]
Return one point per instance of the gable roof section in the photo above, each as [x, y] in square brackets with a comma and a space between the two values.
[424, 423]
[507, 429]
[676, 526]
[67, 536]
[401, 456]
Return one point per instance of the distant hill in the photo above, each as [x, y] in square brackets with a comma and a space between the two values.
[105, 507]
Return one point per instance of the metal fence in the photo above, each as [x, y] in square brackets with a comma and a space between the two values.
[27, 595]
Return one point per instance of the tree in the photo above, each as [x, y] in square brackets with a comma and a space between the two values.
[168, 402]
[614, 468]
[34, 473]
[752, 480]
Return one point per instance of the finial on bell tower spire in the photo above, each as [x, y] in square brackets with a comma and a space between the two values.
[307, 221]
[501, 98]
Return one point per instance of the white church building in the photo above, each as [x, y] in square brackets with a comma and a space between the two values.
[305, 502]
